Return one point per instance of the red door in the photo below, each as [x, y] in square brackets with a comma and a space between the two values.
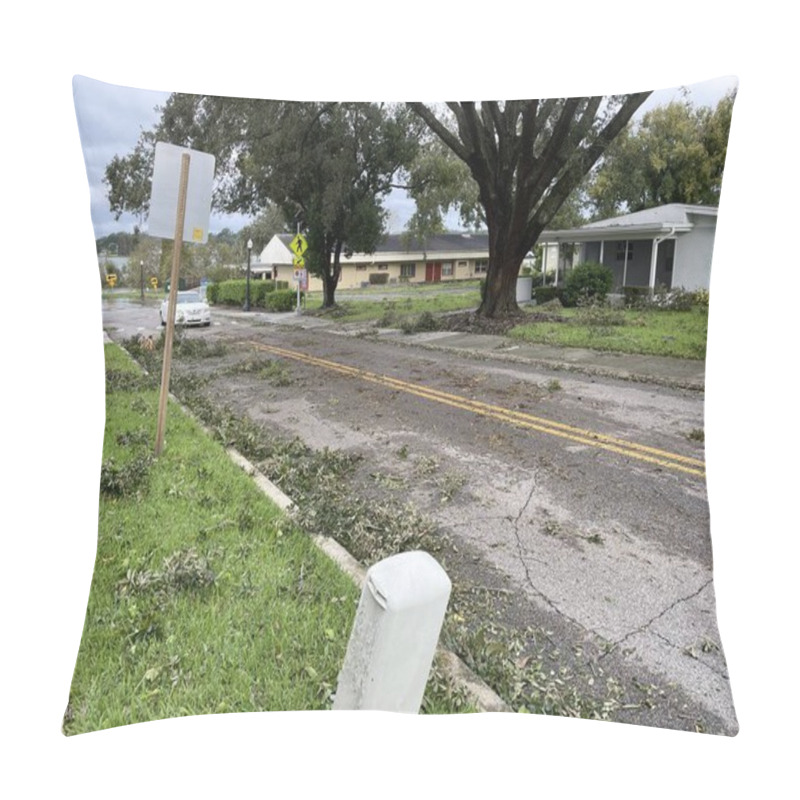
[433, 271]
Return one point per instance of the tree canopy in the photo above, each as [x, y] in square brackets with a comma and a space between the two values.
[674, 154]
[326, 166]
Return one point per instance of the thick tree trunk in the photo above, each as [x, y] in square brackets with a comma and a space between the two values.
[507, 248]
[331, 273]
[500, 296]
[328, 289]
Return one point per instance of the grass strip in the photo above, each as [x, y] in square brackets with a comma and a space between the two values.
[391, 313]
[204, 598]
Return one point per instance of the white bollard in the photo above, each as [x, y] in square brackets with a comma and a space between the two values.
[394, 635]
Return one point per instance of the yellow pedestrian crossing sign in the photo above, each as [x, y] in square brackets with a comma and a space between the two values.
[298, 245]
[298, 261]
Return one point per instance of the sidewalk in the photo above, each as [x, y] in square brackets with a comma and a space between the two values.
[662, 370]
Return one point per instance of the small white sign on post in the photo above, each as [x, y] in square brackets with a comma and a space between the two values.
[164, 193]
[394, 635]
[180, 208]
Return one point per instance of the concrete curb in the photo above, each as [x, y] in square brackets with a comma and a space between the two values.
[458, 672]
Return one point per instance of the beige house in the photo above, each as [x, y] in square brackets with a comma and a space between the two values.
[444, 257]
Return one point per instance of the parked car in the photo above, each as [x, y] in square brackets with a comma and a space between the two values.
[191, 309]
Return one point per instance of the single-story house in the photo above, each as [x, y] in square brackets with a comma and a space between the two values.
[669, 245]
[443, 257]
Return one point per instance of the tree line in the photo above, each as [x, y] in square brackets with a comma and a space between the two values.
[514, 168]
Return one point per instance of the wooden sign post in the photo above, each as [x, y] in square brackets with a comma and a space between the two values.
[180, 207]
[173, 301]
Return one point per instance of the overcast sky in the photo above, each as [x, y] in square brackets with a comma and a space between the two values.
[110, 119]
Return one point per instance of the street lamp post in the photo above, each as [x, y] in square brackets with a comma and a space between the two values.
[247, 288]
[141, 277]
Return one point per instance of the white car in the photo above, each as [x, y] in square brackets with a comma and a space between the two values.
[191, 309]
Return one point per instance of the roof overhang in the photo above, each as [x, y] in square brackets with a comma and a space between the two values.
[615, 233]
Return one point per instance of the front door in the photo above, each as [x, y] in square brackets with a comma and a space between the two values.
[433, 271]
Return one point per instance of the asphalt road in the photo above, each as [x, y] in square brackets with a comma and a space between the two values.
[583, 496]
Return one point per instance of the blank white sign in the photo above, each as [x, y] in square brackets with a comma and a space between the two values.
[165, 189]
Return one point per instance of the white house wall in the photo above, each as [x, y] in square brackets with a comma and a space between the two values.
[693, 251]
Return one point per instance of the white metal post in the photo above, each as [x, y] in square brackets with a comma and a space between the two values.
[394, 636]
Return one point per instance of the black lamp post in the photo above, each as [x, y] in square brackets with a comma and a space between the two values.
[247, 288]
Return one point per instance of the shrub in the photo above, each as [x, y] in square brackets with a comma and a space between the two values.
[665, 299]
[424, 322]
[232, 293]
[701, 298]
[599, 315]
[680, 300]
[378, 278]
[281, 300]
[587, 281]
[636, 296]
[546, 294]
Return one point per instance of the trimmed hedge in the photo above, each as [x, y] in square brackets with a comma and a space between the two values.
[232, 293]
[282, 300]
[378, 278]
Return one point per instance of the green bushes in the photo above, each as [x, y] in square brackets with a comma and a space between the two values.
[546, 294]
[232, 293]
[281, 300]
[377, 278]
[636, 296]
[661, 298]
[587, 281]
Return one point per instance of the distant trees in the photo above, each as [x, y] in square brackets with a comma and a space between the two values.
[674, 154]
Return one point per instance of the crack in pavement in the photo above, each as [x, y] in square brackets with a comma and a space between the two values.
[644, 628]
[520, 551]
[710, 667]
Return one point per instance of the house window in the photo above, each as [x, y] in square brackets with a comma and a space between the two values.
[361, 267]
[481, 267]
[447, 268]
[383, 266]
[621, 246]
[462, 264]
[408, 270]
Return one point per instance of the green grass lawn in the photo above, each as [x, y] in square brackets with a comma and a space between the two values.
[681, 334]
[203, 599]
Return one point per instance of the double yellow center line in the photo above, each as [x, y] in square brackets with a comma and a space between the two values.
[640, 452]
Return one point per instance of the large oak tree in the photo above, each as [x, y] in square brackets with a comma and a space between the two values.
[526, 157]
